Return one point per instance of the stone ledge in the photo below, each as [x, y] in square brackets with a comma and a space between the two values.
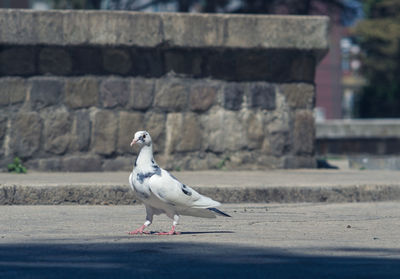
[123, 195]
[173, 30]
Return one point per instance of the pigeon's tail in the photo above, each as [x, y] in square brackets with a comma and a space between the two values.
[219, 212]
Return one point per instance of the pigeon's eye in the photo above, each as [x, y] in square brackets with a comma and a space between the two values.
[144, 136]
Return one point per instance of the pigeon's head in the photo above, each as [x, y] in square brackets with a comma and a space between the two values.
[141, 138]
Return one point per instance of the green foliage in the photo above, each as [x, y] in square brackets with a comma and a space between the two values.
[16, 166]
[379, 37]
[221, 164]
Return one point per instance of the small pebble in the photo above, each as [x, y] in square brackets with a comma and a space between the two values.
[348, 226]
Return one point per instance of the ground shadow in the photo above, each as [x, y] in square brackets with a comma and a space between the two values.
[183, 260]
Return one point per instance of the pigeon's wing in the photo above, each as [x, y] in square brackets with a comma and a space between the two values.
[169, 190]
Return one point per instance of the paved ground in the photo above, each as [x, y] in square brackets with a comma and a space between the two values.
[226, 186]
[348, 240]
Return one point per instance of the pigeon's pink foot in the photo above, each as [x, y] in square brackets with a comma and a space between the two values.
[139, 231]
[171, 232]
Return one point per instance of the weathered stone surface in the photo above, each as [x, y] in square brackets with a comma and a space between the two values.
[254, 129]
[183, 62]
[12, 91]
[81, 92]
[129, 123]
[277, 144]
[3, 130]
[217, 125]
[303, 132]
[49, 27]
[202, 96]
[141, 94]
[45, 92]
[81, 131]
[155, 125]
[171, 95]
[17, 61]
[303, 68]
[45, 164]
[3, 126]
[178, 30]
[86, 60]
[297, 162]
[104, 132]
[55, 61]
[147, 62]
[119, 164]
[81, 163]
[25, 134]
[183, 132]
[57, 131]
[124, 28]
[299, 95]
[262, 95]
[233, 96]
[114, 92]
[116, 61]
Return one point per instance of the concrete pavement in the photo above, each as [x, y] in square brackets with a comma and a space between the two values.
[226, 186]
[347, 240]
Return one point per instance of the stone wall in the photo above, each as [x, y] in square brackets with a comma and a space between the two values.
[214, 91]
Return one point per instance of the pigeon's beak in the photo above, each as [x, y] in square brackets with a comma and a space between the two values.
[134, 141]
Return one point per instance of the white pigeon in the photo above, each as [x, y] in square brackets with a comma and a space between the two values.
[161, 192]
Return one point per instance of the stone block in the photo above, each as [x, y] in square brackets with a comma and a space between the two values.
[114, 92]
[233, 96]
[147, 62]
[119, 164]
[129, 123]
[80, 132]
[222, 129]
[155, 125]
[124, 29]
[199, 30]
[45, 164]
[183, 132]
[252, 65]
[116, 61]
[86, 60]
[299, 162]
[81, 92]
[57, 131]
[202, 96]
[3, 127]
[277, 143]
[81, 163]
[3, 131]
[299, 95]
[17, 61]
[45, 92]
[56, 61]
[220, 64]
[171, 95]
[141, 94]
[12, 91]
[104, 132]
[303, 132]
[25, 136]
[262, 95]
[49, 28]
[181, 61]
[254, 125]
[303, 68]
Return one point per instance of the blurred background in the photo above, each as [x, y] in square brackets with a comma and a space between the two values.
[359, 79]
